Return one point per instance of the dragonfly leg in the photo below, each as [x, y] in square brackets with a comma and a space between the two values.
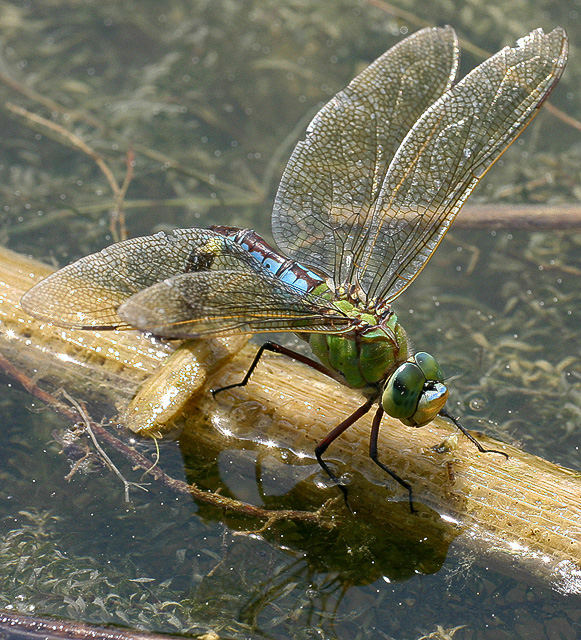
[275, 348]
[373, 456]
[332, 436]
[470, 437]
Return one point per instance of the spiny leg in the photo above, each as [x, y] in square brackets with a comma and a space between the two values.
[333, 435]
[470, 437]
[373, 455]
[275, 348]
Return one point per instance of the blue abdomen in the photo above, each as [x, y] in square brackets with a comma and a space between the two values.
[283, 268]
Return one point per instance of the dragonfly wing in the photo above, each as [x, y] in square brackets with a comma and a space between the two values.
[226, 302]
[447, 152]
[87, 293]
[334, 175]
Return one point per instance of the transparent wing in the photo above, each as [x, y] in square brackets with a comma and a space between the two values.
[89, 293]
[325, 200]
[447, 152]
[227, 302]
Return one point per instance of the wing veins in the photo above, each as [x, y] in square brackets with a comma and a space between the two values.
[410, 234]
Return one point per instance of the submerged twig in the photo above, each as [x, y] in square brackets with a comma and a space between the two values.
[17, 625]
[49, 103]
[141, 462]
[524, 216]
[565, 117]
[73, 139]
[87, 427]
[503, 216]
[117, 218]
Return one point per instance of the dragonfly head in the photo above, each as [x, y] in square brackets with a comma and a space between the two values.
[415, 392]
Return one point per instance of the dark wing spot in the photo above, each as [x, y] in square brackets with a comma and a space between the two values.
[199, 261]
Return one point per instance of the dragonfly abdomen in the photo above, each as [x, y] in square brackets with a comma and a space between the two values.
[283, 268]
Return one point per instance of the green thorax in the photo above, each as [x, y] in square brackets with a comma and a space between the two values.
[369, 351]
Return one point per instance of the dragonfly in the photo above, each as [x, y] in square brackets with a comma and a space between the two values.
[365, 200]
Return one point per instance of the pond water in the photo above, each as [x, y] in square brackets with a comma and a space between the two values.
[208, 98]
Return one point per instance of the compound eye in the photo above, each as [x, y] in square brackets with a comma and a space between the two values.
[402, 392]
[429, 366]
[415, 393]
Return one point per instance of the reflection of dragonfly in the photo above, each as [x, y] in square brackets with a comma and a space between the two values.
[365, 200]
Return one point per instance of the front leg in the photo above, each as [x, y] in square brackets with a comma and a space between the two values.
[470, 437]
[373, 455]
[332, 436]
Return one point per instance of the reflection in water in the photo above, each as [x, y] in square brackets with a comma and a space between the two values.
[360, 550]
